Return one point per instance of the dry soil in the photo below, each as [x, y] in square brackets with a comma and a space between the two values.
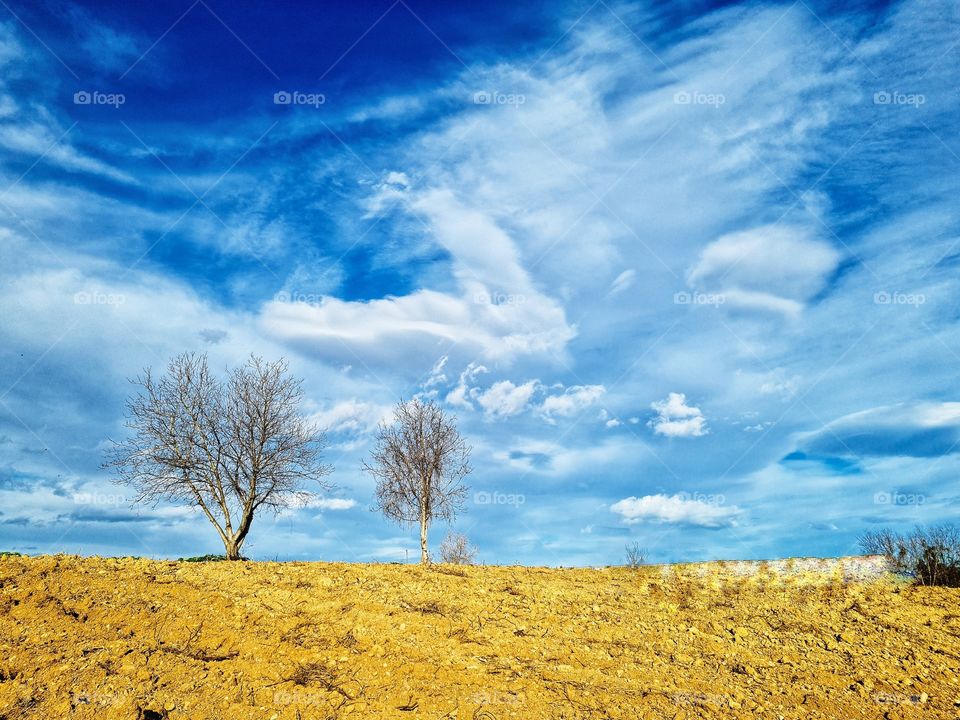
[130, 638]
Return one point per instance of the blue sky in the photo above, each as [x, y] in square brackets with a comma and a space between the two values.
[687, 277]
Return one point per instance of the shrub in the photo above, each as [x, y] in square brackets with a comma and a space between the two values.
[931, 555]
[457, 550]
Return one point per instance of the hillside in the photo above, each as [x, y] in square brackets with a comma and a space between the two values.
[130, 638]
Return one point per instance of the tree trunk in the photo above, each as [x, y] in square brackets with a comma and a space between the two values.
[232, 547]
[424, 557]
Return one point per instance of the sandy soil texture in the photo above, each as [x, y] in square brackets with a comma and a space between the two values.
[139, 639]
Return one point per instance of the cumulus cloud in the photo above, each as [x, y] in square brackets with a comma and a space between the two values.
[463, 393]
[573, 399]
[675, 509]
[505, 399]
[677, 419]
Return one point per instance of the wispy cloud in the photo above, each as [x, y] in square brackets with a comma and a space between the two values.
[755, 214]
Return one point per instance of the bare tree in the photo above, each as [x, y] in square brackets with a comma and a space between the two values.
[420, 461]
[636, 556]
[228, 447]
[891, 545]
[457, 550]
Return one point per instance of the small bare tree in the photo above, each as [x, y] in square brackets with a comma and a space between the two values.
[229, 448]
[636, 556]
[457, 550]
[420, 461]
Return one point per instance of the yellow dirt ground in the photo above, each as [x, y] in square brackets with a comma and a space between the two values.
[109, 638]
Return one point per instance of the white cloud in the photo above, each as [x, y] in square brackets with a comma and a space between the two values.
[921, 429]
[352, 416]
[325, 503]
[774, 268]
[51, 147]
[305, 500]
[505, 399]
[487, 267]
[436, 376]
[462, 394]
[391, 327]
[572, 400]
[677, 419]
[675, 509]
[391, 108]
[777, 383]
[761, 301]
[391, 191]
[556, 459]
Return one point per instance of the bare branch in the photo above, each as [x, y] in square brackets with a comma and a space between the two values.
[229, 448]
[420, 460]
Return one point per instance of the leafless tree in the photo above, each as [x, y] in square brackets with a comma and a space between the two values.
[457, 550]
[420, 461]
[228, 447]
[636, 556]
